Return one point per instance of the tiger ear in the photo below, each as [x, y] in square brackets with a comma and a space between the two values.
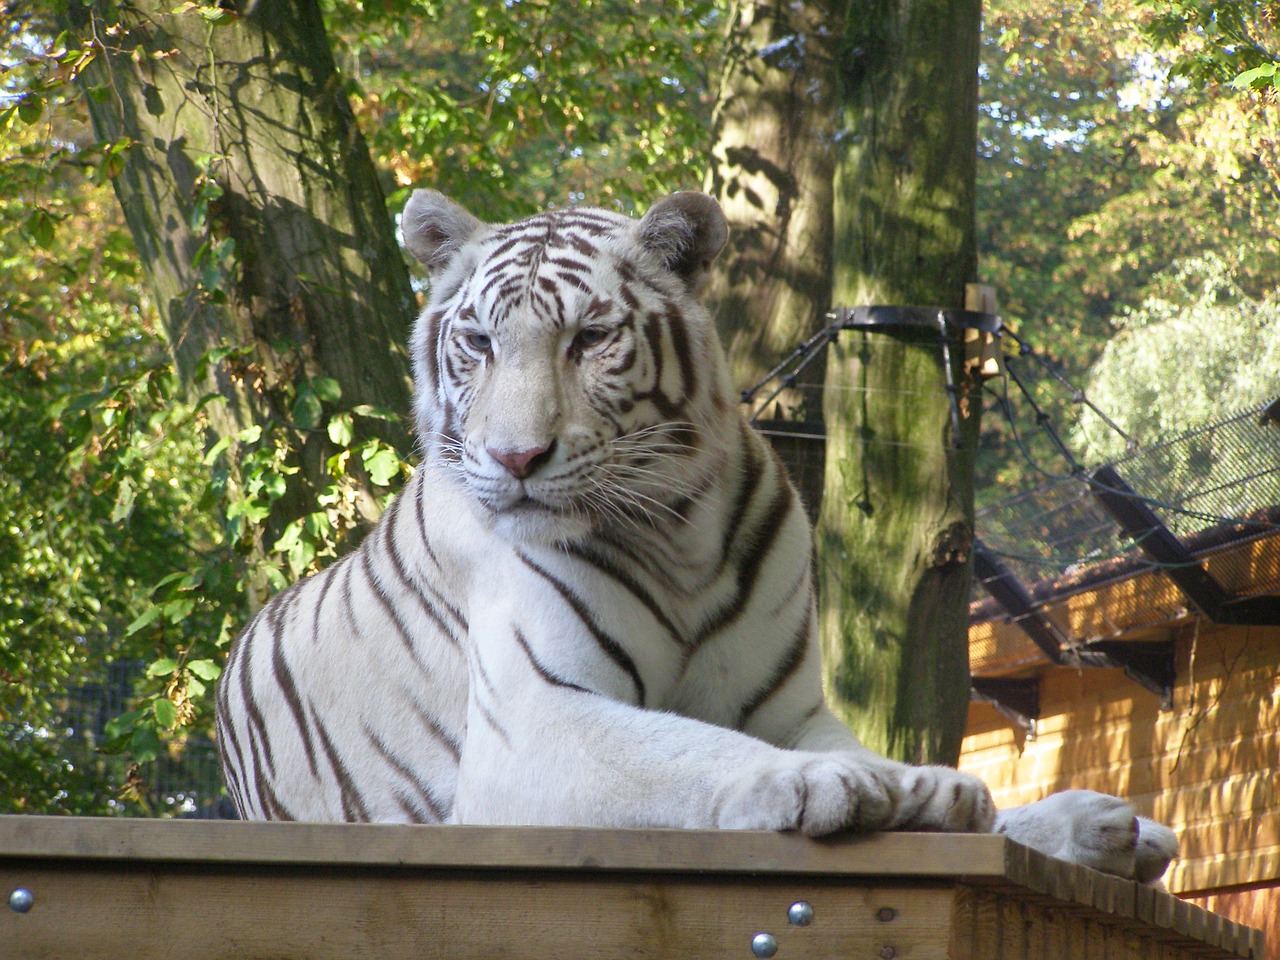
[685, 231]
[435, 228]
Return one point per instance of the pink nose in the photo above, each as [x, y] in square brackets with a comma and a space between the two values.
[521, 463]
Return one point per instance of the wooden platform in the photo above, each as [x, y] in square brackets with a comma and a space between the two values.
[141, 889]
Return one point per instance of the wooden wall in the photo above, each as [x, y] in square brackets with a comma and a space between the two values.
[1209, 767]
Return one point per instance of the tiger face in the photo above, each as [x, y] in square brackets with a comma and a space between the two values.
[566, 370]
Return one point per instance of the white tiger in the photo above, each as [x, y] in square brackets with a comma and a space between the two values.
[593, 603]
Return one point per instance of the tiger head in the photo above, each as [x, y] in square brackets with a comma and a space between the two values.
[565, 368]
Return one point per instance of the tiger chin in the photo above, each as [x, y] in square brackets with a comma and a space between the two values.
[593, 603]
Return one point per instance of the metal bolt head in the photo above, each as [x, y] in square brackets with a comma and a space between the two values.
[888, 953]
[21, 900]
[800, 913]
[886, 914]
[764, 945]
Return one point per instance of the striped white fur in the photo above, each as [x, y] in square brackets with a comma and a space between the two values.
[593, 603]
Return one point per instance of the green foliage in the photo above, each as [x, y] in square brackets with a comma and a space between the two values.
[132, 534]
[1219, 41]
[1100, 167]
[1197, 349]
[514, 107]
[97, 449]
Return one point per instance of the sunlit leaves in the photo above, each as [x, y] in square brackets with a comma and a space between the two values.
[515, 107]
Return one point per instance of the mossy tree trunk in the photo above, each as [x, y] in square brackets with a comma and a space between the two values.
[257, 214]
[896, 524]
[771, 169]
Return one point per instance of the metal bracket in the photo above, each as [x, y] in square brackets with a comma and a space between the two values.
[1013, 597]
[1017, 699]
[884, 316]
[939, 319]
[1155, 540]
[1149, 664]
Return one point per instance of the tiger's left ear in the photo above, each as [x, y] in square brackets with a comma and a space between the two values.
[685, 231]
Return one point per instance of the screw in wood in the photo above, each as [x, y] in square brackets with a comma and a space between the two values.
[764, 945]
[21, 900]
[800, 913]
[886, 914]
[887, 953]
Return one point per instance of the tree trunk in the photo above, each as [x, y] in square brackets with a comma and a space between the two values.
[897, 517]
[771, 169]
[241, 131]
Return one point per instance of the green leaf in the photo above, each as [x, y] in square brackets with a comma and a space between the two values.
[215, 450]
[274, 484]
[217, 15]
[144, 745]
[149, 616]
[124, 501]
[288, 537]
[162, 667]
[382, 464]
[166, 713]
[341, 430]
[40, 226]
[178, 610]
[1258, 78]
[307, 409]
[119, 726]
[205, 669]
[327, 389]
[374, 412]
[30, 108]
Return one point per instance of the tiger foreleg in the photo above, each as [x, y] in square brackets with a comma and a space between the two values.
[575, 757]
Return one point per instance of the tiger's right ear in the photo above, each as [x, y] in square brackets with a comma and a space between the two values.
[435, 228]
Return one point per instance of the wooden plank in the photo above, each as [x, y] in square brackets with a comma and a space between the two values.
[671, 851]
[175, 881]
[291, 913]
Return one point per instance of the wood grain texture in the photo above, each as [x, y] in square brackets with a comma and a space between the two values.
[135, 888]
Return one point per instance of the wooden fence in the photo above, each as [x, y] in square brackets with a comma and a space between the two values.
[142, 889]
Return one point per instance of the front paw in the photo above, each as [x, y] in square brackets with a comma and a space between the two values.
[1094, 830]
[939, 798]
[815, 796]
[1157, 846]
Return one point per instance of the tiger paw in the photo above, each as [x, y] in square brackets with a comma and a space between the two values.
[1157, 847]
[1094, 830]
[940, 798]
[815, 797]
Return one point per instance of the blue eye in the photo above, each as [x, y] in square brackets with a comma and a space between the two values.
[479, 342]
[589, 337]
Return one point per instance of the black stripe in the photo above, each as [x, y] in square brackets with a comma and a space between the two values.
[438, 732]
[389, 608]
[353, 808]
[418, 590]
[752, 548]
[406, 772]
[679, 337]
[284, 680]
[632, 585]
[542, 671]
[608, 644]
[785, 669]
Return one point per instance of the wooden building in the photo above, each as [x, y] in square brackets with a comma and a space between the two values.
[1155, 680]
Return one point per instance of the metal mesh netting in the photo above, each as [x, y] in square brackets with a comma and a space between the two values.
[1224, 477]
